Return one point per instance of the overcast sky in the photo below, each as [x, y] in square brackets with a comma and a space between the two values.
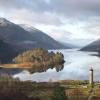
[62, 19]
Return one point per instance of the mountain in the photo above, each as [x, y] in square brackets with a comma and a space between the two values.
[79, 42]
[26, 37]
[16, 39]
[7, 52]
[42, 40]
[94, 46]
[70, 45]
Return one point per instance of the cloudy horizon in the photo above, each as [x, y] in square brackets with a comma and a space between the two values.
[64, 20]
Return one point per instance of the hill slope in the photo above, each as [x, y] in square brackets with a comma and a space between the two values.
[26, 39]
[7, 52]
[94, 46]
[42, 40]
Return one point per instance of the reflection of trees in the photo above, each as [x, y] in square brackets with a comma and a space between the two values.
[41, 60]
[45, 68]
[59, 67]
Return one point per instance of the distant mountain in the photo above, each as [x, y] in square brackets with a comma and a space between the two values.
[94, 46]
[18, 38]
[70, 45]
[79, 42]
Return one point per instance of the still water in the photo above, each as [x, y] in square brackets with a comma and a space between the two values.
[76, 67]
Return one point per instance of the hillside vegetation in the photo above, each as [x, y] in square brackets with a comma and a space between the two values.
[14, 89]
[39, 55]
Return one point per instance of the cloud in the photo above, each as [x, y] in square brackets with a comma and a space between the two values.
[75, 9]
[93, 27]
[62, 7]
[59, 18]
[29, 17]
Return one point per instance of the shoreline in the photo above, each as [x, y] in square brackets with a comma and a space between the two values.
[23, 65]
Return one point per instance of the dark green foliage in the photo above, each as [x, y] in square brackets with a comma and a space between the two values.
[59, 94]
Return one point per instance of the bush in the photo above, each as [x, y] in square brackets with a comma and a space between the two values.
[59, 94]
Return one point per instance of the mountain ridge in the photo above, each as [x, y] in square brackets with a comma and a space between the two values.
[12, 33]
[94, 46]
[18, 39]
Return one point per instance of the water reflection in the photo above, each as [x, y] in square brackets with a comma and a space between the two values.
[40, 69]
[11, 71]
[76, 67]
[14, 71]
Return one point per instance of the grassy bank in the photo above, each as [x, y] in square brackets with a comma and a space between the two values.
[14, 89]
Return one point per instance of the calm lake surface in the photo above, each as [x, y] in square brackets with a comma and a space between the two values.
[76, 67]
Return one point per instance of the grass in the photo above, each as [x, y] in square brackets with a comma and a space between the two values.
[42, 90]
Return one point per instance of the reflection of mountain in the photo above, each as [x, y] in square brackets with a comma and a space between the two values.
[94, 46]
[10, 71]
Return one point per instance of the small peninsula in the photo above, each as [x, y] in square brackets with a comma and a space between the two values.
[37, 60]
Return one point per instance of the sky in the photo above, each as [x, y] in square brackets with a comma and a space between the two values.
[64, 20]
